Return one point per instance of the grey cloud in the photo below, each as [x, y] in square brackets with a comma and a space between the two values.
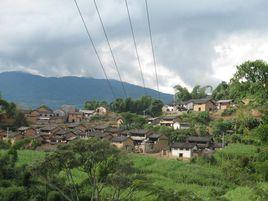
[48, 35]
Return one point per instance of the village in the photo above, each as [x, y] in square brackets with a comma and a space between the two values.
[50, 128]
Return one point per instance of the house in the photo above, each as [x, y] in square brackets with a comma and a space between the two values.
[74, 117]
[202, 142]
[224, 104]
[155, 143]
[184, 125]
[27, 131]
[50, 129]
[63, 135]
[138, 135]
[100, 135]
[45, 137]
[57, 120]
[3, 134]
[186, 105]
[169, 109]
[80, 134]
[87, 113]
[44, 112]
[123, 142]
[101, 111]
[170, 121]
[101, 128]
[40, 115]
[60, 113]
[119, 121]
[153, 121]
[114, 131]
[206, 104]
[68, 109]
[183, 149]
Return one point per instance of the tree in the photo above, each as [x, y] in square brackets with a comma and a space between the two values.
[102, 165]
[262, 132]
[93, 105]
[251, 79]
[221, 91]
[156, 108]
[199, 92]
[20, 120]
[182, 93]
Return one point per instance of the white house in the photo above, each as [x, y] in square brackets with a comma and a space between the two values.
[172, 121]
[169, 109]
[87, 113]
[101, 111]
[182, 150]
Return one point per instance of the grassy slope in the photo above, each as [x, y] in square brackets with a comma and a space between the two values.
[204, 180]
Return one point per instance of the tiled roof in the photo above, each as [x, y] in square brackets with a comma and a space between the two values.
[183, 145]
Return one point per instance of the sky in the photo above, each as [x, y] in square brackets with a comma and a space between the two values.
[195, 41]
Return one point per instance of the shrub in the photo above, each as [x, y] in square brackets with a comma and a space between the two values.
[54, 196]
[228, 112]
[262, 132]
[4, 145]
[13, 193]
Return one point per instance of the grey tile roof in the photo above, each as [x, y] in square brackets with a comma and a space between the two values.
[119, 139]
[183, 145]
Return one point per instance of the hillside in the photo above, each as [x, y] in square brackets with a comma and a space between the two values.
[33, 90]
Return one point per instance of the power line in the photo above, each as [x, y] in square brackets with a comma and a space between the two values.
[135, 45]
[111, 51]
[94, 47]
[151, 39]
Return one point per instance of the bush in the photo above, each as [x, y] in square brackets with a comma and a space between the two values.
[22, 143]
[13, 193]
[54, 196]
[228, 112]
[262, 132]
[4, 145]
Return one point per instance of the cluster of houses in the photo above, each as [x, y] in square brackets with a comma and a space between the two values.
[66, 114]
[169, 121]
[198, 105]
[136, 140]
[52, 127]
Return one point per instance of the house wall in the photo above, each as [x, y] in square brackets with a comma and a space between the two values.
[176, 126]
[224, 106]
[160, 145]
[30, 132]
[184, 152]
[204, 107]
[74, 118]
[127, 144]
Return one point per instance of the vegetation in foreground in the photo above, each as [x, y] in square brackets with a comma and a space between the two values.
[94, 170]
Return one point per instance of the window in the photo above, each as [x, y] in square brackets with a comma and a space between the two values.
[180, 155]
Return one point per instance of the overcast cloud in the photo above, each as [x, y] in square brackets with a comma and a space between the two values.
[196, 42]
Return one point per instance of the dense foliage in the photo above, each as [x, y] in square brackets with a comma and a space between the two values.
[146, 105]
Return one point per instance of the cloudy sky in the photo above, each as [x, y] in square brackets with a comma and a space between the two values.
[196, 41]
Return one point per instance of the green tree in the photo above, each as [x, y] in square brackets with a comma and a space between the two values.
[198, 92]
[20, 120]
[181, 93]
[221, 91]
[250, 80]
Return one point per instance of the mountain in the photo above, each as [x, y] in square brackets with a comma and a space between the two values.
[33, 90]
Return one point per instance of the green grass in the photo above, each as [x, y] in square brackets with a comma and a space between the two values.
[234, 151]
[241, 193]
[27, 156]
[202, 179]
